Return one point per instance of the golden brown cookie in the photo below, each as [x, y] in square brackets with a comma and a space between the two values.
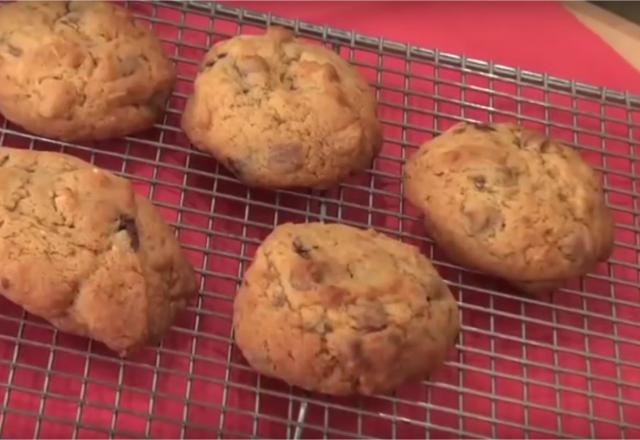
[279, 112]
[80, 249]
[342, 310]
[510, 202]
[80, 71]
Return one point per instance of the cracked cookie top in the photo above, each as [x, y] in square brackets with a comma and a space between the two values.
[80, 70]
[512, 202]
[342, 310]
[79, 248]
[279, 112]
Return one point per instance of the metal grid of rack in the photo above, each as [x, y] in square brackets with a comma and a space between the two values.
[565, 366]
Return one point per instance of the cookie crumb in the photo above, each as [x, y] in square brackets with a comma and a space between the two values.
[300, 248]
[129, 224]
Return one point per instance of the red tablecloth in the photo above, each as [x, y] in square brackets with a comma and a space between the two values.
[540, 36]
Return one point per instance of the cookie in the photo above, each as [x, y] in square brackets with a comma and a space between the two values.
[342, 310]
[280, 113]
[80, 71]
[508, 201]
[81, 250]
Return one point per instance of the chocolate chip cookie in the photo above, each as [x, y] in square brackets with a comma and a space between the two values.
[80, 71]
[509, 201]
[80, 249]
[342, 310]
[278, 112]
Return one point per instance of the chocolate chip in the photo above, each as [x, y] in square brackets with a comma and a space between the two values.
[370, 317]
[286, 158]
[509, 176]
[234, 166]
[129, 224]
[535, 140]
[430, 335]
[359, 356]
[479, 182]
[252, 64]
[356, 348]
[517, 141]
[330, 73]
[322, 327]
[317, 273]
[158, 100]
[301, 249]
[574, 245]
[544, 146]
[453, 156]
[13, 50]
[71, 19]
[128, 66]
[288, 81]
[208, 63]
[5, 283]
[481, 219]
[394, 339]
[349, 270]
[461, 129]
[4, 160]
[334, 296]
[483, 127]
[428, 309]
[82, 98]
[307, 275]
[279, 300]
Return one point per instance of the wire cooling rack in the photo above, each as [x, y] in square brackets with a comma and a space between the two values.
[566, 366]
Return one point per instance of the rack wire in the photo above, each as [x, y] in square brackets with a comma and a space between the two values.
[565, 366]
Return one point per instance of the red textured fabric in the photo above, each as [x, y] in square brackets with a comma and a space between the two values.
[540, 36]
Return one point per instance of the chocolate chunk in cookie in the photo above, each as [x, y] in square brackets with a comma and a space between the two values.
[129, 224]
